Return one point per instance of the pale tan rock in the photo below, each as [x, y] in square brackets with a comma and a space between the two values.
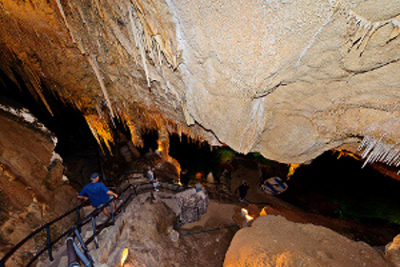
[290, 79]
[392, 251]
[275, 241]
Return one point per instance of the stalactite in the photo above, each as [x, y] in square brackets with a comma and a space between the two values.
[133, 129]
[139, 44]
[100, 130]
[365, 31]
[93, 64]
[33, 84]
[379, 151]
[61, 9]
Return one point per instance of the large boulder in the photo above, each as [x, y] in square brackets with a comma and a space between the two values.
[275, 241]
[192, 205]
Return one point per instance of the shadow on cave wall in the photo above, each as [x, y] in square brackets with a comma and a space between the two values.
[76, 144]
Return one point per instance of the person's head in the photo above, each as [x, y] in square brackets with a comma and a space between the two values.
[94, 177]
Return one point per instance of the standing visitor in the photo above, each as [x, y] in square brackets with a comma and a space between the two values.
[97, 193]
[152, 178]
[243, 188]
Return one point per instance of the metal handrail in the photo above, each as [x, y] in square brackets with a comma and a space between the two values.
[80, 222]
[45, 226]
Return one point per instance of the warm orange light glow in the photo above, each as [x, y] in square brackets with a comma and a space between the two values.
[346, 154]
[263, 212]
[100, 130]
[160, 147]
[292, 169]
[124, 256]
[246, 214]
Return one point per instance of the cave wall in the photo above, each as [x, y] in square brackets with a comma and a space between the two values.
[290, 79]
[32, 189]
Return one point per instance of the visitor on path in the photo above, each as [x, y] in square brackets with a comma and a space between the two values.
[242, 190]
[97, 193]
[152, 178]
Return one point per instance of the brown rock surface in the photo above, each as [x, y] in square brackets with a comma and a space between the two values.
[274, 241]
[290, 79]
[32, 190]
[392, 251]
[146, 229]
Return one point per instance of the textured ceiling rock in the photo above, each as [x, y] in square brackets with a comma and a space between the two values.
[290, 79]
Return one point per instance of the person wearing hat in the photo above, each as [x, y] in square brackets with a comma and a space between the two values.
[242, 190]
[97, 193]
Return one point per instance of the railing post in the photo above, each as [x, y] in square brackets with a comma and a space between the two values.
[134, 188]
[130, 192]
[112, 212]
[72, 261]
[78, 218]
[94, 232]
[83, 246]
[49, 242]
[123, 201]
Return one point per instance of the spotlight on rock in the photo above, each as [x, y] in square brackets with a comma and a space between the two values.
[124, 256]
[245, 213]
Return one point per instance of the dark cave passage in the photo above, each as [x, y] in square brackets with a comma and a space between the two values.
[341, 188]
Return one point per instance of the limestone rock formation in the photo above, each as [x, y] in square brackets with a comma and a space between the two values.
[392, 251]
[192, 205]
[32, 189]
[275, 241]
[290, 79]
[147, 231]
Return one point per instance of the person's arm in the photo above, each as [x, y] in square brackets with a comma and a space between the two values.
[111, 193]
[83, 197]
[82, 194]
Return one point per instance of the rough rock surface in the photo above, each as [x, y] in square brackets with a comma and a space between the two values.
[192, 205]
[146, 229]
[290, 79]
[31, 187]
[274, 241]
[392, 251]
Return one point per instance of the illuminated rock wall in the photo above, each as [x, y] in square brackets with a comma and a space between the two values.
[290, 79]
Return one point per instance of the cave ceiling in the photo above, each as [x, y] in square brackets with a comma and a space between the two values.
[290, 79]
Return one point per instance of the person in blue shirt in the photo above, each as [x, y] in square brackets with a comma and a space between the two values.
[97, 193]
